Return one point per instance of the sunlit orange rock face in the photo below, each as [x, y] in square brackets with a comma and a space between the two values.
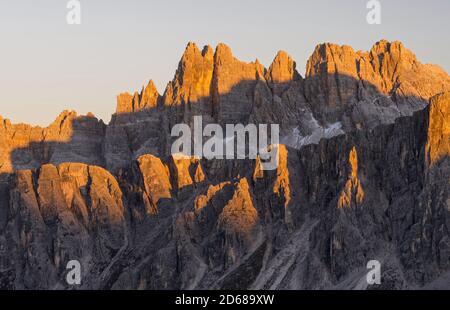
[69, 138]
[337, 76]
[22, 135]
[186, 171]
[438, 143]
[231, 79]
[239, 217]
[363, 175]
[353, 194]
[282, 69]
[63, 187]
[146, 99]
[258, 172]
[343, 88]
[192, 81]
[76, 208]
[388, 67]
[161, 179]
[156, 180]
[282, 185]
[211, 83]
[202, 201]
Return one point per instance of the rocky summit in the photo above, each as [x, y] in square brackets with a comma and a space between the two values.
[363, 174]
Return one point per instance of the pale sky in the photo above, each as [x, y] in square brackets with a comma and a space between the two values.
[47, 66]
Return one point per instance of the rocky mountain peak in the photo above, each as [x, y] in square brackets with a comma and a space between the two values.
[389, 76]
[64, 117]
[223, 53]
[281, 73]
[193, 77]
[396, 49]
[148, 98]
[282, 69]
[125, 103]
[191, 48]
[208, 52]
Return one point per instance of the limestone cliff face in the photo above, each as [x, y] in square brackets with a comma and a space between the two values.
[211, 83]
[363, 173]
[68, 138]
[135, 129]
[282, 70]
[233, 85]
[192, 81]
[352, 195]
[343, 90]
[58, 212]
[186, 171]
[369, 88]
[438, 143]
[156, 182]
[239, 217]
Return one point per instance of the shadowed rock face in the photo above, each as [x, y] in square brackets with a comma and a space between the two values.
[363, 174]
[60, 212]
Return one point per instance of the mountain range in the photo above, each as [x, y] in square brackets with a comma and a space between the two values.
[363, 174]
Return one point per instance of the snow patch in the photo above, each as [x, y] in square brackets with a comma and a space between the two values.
[297, 140]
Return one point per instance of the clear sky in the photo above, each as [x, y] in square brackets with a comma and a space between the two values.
[47, 66]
